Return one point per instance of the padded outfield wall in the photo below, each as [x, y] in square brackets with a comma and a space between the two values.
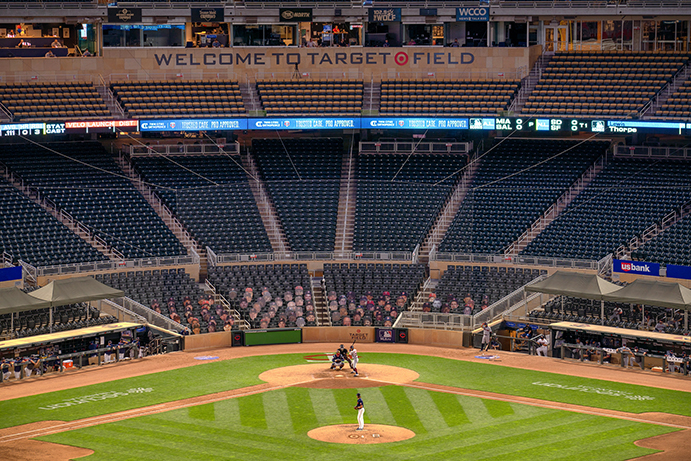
[279, 62]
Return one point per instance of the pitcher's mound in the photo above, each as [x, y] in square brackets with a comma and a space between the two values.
[373, 433]
[319, 376]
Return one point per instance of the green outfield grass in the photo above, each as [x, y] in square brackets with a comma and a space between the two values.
[274, 425]
[208, 378]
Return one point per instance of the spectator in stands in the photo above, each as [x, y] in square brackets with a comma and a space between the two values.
[455, 43]
[196, 326]
[49, 54]
[346, 321]
[216, 43]
[386, 43]
[281, 324]
[468, 301]
[86, 54]
[367, 322]
[426, 307]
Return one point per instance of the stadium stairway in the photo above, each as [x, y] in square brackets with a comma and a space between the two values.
[73, 224]
[560, 205]
[267, 210]
[664, 95]
[112, 104]
[345, 223]
[446, 217]
[528, 84]
[161, 210]
[371, 98]
[250, 99]
[674, 217]
[319, 298]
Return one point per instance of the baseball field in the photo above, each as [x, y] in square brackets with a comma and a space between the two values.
[282, 402]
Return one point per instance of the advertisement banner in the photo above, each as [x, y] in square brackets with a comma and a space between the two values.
[678, 272]
[203, 124]
[396, 123]
[385, 15]
[636, 267]
[302, 123]
[124, 15]
[11, 273]
[473, 13]
[295, 14]
[207, 15]
[384, 335]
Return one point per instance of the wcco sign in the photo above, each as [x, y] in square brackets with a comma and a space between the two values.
[479, 13]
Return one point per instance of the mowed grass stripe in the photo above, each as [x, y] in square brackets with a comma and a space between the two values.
[376, 409]
[402, 409]
[475, 410]
[212, 440]
[477, 430]
[498, 408]
[535, 438]
[202, 412]
[450, 408]
[425, 408]
[147, 445]
[277, 412]
[252, 412]
[346, 400]
[577, 440]
[301, 409]
[325, 406]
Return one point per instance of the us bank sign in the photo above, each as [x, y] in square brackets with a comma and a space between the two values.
[319, 59]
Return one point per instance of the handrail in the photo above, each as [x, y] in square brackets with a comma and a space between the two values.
[653, 151]
[149, 316]
[111, 97]
[548, 261]
[228, 258]
[30, 272]
[406, 147]
[98, 266]
[232, 148]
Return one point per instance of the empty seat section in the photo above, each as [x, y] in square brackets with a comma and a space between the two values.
[30, 233]
[602, 83]
[47, 100]
[212, 198]
[85, 181]
[172, 293]
[303, 179]
[672, 246]
[311, 97]
[399, 196]
[516, 181]
[479, 283]
[446, 97]
[678, 105]
[184, 98]
[622, 201]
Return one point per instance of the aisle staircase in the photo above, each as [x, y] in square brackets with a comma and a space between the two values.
[345, 223]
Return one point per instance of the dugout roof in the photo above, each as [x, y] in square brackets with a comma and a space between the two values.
[575, 284]
[75, 290]
[653, 293]
[15, 300]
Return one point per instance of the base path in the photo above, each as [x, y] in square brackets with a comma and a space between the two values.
[373, 433]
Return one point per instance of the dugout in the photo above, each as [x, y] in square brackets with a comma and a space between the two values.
[652, 342]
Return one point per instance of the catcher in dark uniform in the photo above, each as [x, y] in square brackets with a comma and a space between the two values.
[345, 355]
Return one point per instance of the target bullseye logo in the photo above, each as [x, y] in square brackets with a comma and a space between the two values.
[401, 58]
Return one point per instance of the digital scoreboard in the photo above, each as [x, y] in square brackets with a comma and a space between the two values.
[504, 124]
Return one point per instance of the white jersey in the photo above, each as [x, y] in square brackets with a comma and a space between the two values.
[353, 354]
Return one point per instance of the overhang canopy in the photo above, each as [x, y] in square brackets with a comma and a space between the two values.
[75, 290]
[15, 300]
[575, 284]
